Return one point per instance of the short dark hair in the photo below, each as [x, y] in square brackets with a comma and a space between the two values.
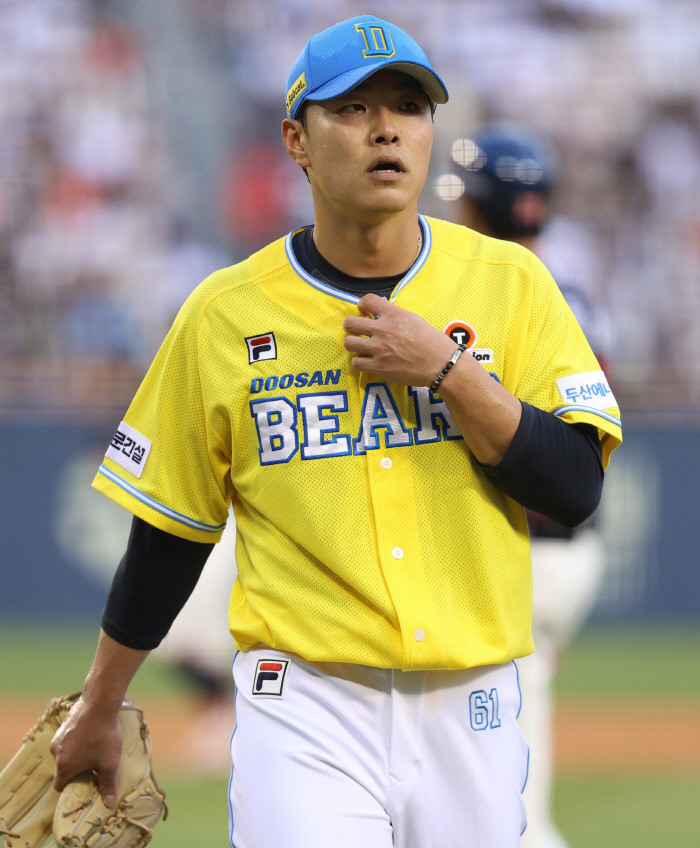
[301, 116]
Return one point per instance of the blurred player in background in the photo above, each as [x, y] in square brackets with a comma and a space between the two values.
[508, 175]
[198, 646]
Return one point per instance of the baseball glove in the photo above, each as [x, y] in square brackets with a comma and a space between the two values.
[31, 810]
[27, 796]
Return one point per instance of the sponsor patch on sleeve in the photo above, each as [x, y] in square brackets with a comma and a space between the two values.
[588, 389]
[129, 449]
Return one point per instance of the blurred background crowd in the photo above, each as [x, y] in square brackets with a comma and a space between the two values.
[140, 150]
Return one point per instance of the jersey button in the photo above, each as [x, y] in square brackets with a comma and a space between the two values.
[419, 635]
[397, 553]
[386, 462]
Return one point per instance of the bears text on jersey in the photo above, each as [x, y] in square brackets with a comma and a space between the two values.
[319, 435]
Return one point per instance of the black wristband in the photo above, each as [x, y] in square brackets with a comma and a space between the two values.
[445, 371]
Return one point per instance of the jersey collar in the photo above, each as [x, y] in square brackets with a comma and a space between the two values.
[351, 298]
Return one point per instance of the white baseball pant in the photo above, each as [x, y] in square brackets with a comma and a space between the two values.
[335, 755]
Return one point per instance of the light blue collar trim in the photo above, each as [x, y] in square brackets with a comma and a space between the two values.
[346, 296]
[420, 261]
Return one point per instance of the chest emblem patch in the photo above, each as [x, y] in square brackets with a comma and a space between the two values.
[461, 333]
[261, 347]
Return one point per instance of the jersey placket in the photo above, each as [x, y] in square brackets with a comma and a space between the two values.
[398, 546]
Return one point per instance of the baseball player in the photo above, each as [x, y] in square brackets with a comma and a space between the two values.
[508, 177]
[378, 394]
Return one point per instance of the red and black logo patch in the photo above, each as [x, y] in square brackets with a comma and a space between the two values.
[261, 347]
[269, 678]
[461, 333]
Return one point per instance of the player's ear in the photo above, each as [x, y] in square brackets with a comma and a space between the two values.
[294, 139]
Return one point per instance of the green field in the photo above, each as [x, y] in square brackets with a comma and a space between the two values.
[604, 810]
[198, 816]
[593, 812]
[633, 662]
[49, 660]
[623, 811]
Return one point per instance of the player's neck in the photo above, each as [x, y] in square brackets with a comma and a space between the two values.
[362, 249]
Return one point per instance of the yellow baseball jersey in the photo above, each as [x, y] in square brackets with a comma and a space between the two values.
[367, 531]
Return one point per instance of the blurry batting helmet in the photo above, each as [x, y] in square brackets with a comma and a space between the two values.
[508, 172]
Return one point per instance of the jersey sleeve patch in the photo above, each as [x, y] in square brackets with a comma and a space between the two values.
[589, 389]
[130, 449]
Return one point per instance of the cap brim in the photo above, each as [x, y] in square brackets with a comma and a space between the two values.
[431, 83]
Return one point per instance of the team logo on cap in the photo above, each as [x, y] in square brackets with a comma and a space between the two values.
[461, 333]
[378, 41]
[261, 347]
[269, 678]
[294, 92]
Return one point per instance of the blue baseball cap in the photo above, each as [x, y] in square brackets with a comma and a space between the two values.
[339, 58]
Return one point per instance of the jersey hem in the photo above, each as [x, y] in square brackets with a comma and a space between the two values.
[387, 662]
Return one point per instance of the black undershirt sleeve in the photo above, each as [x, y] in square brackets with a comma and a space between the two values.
[154, 579]
[552, 467]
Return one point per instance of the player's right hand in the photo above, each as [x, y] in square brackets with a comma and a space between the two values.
[90, 739]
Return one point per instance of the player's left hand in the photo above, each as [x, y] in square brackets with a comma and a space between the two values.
[398, 345]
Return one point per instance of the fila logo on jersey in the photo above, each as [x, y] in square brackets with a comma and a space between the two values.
[269, 678]
[261, 347]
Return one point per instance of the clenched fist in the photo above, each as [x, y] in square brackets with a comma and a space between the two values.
[398, 345]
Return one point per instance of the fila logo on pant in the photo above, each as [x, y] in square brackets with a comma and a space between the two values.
[269, 678]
